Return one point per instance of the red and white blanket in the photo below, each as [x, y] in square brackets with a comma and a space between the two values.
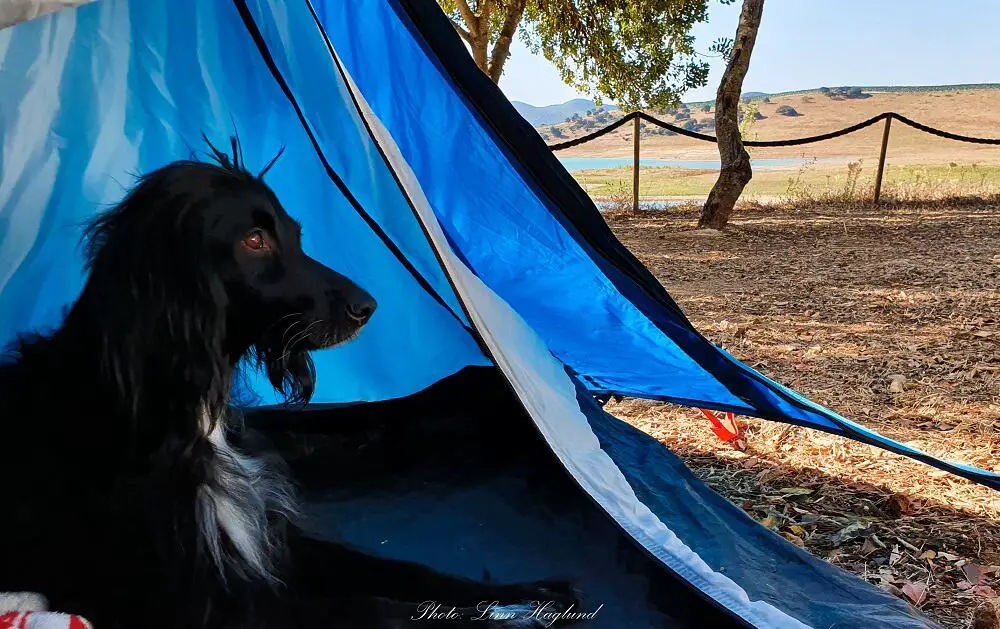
[25, 610]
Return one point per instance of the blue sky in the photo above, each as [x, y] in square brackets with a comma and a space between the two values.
[811, 43]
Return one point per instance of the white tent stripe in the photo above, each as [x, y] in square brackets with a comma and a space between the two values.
[549, 396]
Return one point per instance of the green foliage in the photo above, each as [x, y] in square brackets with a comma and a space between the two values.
[637, 54]
[723, 47]
[751, 114]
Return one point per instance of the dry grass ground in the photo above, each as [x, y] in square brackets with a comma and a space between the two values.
[833, 300]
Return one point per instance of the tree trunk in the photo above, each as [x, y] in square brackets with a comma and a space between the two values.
[477, 33]
[479, 45]
[736, 172]
[501, 49]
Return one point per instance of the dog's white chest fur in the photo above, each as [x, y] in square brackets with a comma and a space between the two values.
[237, 505]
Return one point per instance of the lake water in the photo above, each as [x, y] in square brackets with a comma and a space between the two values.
[589, 163]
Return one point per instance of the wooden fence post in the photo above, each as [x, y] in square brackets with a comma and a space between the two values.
[635, 164]
[881, 159]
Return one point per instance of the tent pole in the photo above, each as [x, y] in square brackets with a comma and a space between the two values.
[635, 163]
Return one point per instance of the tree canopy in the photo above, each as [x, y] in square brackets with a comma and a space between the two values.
[636, 54]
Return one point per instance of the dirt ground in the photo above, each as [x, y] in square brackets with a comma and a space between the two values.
[888, 315]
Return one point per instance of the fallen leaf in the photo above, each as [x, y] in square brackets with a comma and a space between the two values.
[898, 505]
[795, 491]
[770, 521]
[963, 585]
[896, 383]
[798, 530]
[928, 555]
[795, 539]
[973, 573]
[916, 592]
[848, 532]
[892, 589]
[985, 591]
[868, 547]
[948, 556]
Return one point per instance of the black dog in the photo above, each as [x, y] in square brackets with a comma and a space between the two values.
[123, 499]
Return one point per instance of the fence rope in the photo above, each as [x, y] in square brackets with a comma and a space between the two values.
[790, 142]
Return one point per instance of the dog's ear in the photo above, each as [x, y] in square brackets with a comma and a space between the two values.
[160, 307]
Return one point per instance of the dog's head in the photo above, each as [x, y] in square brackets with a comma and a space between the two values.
[204, 267]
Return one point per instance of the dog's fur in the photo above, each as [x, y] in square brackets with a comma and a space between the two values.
[123, 498]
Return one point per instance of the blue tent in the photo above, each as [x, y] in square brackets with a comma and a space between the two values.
[507, 307]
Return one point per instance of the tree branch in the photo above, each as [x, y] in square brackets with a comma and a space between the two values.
[464, 34]
[501, 49]
[470, 18]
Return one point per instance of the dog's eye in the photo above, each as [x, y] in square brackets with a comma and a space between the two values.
[256, 240]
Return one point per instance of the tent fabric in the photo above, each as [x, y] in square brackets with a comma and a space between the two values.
[410, 178]
[549, 397]
[470, 499]
[144, 81]
[542, 244]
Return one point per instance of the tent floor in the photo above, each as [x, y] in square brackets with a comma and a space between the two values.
[456, 477]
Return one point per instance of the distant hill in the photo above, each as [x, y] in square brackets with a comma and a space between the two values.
[551, 114]
[886, 89]
[962, 109]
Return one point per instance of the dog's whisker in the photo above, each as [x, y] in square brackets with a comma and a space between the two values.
[291, 326]
[298, 337]
[280, 319]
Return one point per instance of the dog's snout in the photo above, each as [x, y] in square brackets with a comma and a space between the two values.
[362, 310]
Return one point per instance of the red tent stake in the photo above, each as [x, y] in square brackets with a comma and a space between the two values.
[724, 426]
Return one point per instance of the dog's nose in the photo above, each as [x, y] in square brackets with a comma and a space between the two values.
[361, 311]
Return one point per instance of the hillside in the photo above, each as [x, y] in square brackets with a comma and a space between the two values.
[968, 110]
[551, 114]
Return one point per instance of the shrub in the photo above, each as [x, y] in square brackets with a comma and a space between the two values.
[706, 108]
[840, 93]
[786, 110]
